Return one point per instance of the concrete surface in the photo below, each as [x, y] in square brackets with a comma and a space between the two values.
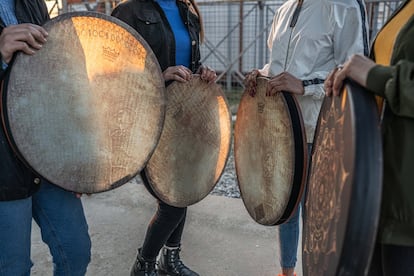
[220, 238]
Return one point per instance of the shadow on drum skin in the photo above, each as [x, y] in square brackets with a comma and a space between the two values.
[194, 145]
[44, 119]
[83, 120]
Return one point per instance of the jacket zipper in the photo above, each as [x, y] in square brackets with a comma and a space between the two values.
[292, 27]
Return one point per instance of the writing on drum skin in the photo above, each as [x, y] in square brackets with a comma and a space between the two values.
[260, 107]
[114, 36]
[110, 53]
[269, 166]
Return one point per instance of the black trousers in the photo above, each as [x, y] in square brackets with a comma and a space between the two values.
[165, 228]
[391, 260]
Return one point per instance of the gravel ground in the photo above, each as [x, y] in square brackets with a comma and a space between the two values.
[227, 185]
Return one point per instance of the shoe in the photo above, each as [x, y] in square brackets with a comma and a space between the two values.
[143, 267]
[171, 265]
[281, 274]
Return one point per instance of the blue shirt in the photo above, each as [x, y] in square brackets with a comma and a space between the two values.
[182, 37]
[7, 14]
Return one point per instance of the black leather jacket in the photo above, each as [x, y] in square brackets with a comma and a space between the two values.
[16, 180]
[28, 11]
[149, 20]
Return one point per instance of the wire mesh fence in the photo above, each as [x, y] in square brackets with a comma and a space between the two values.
[236, 34]
[235, 30]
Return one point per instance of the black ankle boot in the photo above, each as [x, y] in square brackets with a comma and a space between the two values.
[170, 263]
[143, 267]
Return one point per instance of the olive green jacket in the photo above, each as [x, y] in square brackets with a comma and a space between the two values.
[395, 83]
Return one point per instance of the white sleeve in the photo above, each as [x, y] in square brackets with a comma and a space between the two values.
[317, 91]
[350, 36]
[350, 31]
[266, 68]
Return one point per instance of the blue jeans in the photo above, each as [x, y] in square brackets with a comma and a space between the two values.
[289, 233]
[64, 229]
[288, 240]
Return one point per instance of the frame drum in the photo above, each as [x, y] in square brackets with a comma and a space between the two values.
[344, 188]
[194, 145]
[86, 111]
[270, 154]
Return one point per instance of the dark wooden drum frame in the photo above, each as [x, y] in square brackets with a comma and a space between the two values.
[268, 199]
[194, 145]
[86, 111]
[344, 188]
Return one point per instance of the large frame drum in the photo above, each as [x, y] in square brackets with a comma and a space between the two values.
[344, 188]
[270, 154]
[86, 111]
[194, 145]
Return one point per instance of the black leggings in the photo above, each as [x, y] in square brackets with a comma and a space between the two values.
[390, 260]
[165, 228]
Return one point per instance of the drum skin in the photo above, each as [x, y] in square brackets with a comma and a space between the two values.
[270, 154]
[86, 111]
[344, 189]
[194, 145]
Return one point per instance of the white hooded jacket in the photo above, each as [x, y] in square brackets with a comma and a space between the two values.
[326, 34]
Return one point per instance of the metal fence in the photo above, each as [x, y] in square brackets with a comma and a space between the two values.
[62, 6]
[235, 30]
[236, 34]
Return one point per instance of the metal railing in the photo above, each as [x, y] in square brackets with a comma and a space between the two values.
[236, 31]
[378, 13]
[62, 6]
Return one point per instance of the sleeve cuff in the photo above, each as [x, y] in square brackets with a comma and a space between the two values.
[378, 77]
[4, 65]
[316, 91]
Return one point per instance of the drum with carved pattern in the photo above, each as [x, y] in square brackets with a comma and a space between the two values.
[344, 189]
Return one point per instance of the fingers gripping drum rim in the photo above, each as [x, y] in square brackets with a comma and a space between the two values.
[270, 154]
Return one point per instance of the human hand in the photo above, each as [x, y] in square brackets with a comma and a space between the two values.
[178, 73]
[328, 84]
[250, 82]
[207, 74]
[26, 37]
[356, 68]
[284, 82]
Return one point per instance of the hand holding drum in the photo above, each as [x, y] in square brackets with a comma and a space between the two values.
[270, 152]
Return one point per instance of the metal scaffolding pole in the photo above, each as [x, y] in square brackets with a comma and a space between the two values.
[104, 6]
[64, 6]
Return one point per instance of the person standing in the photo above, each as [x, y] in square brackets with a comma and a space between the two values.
[308, 38]
[173, 29]
[23, 194]
[390, 76]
